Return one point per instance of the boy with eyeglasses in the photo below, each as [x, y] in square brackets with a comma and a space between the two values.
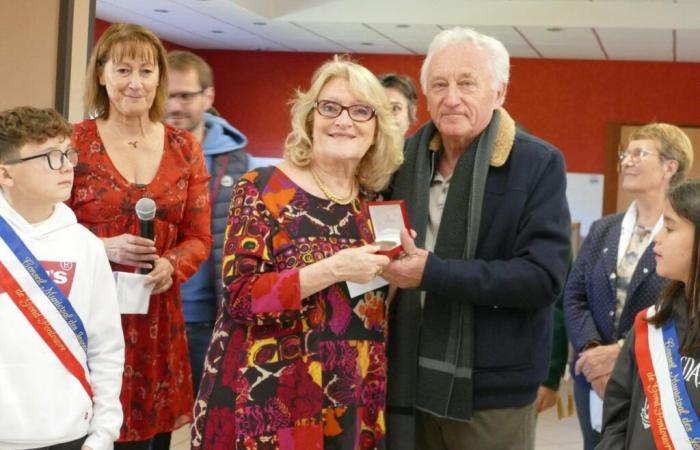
[61, 343]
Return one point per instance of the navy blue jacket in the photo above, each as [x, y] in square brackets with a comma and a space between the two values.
[590, 295]
[519, 269]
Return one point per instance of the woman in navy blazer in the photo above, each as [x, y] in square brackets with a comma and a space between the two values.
[614, 275]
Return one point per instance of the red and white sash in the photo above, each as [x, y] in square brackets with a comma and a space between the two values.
[671, 416]
[42, 326]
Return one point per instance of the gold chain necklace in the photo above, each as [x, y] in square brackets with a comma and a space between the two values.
[331, 196]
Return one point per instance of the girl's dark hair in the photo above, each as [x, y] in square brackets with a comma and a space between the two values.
[685, 201]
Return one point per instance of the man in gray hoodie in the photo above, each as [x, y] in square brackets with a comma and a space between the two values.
[191, 95]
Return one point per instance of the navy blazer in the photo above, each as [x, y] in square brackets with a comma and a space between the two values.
[590, 297]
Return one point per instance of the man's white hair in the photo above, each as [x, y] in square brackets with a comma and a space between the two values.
[497, 55]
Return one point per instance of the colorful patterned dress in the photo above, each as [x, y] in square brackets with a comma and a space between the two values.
[157, 387]
[284, 372]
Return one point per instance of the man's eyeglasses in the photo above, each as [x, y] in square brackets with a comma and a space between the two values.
[56, 158]
[184, 97]
[636, 154]
[358, 113]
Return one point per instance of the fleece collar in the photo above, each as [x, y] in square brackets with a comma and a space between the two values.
[503, 142]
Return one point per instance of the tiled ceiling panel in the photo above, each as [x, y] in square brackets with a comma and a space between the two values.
[162, 25]
[688, 45]
[590, 29]
[648, 45]
[354, 37]
[640, 1]
[180, 23]
[513, 41]
[415, 37]
[571, 43]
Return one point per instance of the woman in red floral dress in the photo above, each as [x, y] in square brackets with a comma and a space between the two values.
[296, 361]
[127, 154]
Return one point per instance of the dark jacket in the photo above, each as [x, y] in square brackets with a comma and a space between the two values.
[590, 295]
[224, 151]
[519, 269]
[625, 421]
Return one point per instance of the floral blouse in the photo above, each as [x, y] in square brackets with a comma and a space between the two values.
[285, 372]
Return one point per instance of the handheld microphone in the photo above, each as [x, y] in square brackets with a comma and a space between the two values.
[146, 212]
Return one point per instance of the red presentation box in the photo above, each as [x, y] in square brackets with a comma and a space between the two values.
[388, 219]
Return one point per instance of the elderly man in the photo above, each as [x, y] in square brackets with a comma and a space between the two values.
[191, 95]
[471, 326]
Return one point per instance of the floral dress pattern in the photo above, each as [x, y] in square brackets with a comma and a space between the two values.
[284, 372]
[156, 391]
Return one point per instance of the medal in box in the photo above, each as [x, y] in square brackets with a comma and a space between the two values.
[388, 219]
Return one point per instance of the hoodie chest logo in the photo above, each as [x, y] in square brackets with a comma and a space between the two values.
[61, 272]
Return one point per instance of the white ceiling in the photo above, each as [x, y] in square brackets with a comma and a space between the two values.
[651, 30]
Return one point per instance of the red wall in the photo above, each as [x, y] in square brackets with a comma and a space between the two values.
[567, 102]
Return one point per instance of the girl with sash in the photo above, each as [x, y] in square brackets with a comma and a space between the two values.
[653, 395]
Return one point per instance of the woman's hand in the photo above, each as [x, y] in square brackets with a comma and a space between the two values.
[359, 264]
[597, 361]
[130, 250]
[161, 276]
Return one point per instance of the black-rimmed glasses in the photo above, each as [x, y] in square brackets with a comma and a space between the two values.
[330, 109]
[56, 158]
[184, 97]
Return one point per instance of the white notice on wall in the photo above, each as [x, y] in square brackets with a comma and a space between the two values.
[584, 191]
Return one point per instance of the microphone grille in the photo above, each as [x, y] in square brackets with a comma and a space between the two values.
[146, 209]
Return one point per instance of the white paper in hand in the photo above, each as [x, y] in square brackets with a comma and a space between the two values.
[596, 409]
[133, 293]
[355, 289]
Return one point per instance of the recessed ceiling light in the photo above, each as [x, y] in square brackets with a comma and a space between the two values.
[217, 31]
[554, 29]
[260, 23]
[160, 10]
[367, 43]
[402, 25]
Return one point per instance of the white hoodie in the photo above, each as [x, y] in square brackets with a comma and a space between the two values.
[41, 403]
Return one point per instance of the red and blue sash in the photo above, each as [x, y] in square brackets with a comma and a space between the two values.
[44, 328]
[674, 422]
[29, 309]
[43, 280]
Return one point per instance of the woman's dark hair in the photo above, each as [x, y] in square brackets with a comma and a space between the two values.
[405, 85]
[685, 201]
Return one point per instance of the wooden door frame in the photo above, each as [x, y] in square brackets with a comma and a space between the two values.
[610, 175]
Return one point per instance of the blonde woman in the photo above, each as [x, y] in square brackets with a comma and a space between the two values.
[296, 361]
